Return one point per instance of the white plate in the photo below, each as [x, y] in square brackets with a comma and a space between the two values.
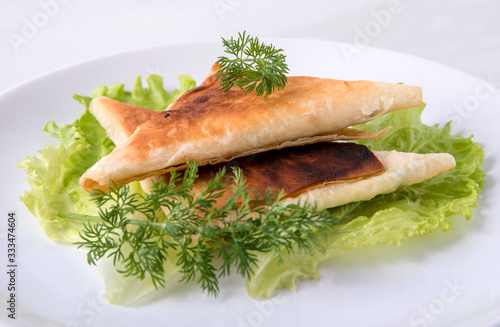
[443, 279]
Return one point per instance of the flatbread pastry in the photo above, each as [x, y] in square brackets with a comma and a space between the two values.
[210, 126]
[401, 169]
[329, 174]
[326, 174]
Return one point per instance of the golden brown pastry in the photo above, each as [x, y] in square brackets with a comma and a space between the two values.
[209, 126]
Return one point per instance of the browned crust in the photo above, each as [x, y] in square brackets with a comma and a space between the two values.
[294, 170]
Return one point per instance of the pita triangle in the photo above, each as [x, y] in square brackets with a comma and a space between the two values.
[210, 126]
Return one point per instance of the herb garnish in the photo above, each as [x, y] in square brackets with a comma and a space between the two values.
[195, 230]
[255, 66]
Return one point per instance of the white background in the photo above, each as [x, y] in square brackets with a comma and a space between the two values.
[37, 37]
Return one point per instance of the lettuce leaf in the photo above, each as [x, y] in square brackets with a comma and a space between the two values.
[54, 174]
[389, 219]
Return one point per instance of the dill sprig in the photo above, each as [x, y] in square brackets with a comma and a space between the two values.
[195, 230]
[255, 66]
